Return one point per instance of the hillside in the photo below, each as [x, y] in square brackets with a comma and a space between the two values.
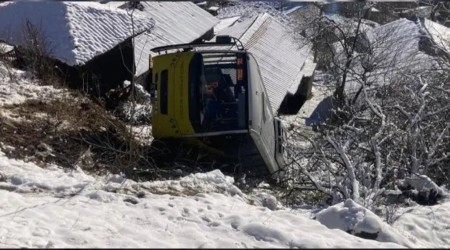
[76, 173]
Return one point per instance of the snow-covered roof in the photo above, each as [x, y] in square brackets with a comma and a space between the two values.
[78, 31]
[175, 23]
[225, 22]
[397, 40]
[204, 3]
[283, 63]
[440, 34]
[349, 24]
[213, 8]
[4, 47]
[394, 47]
[291, 10]
[114, 4]
[250, 9]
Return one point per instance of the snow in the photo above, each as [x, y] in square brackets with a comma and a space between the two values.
[77, 31]
[349, 216]
[224, 23]
[204, 3]
[114, 4]
[213, 8]
[252, 8]
[423, 183]
[318, 108]
[430, 225]
[439, 33]
[5, 47]
[17, 86]
[394, 47]
[327, 1]
[292, 10]
[55, 207]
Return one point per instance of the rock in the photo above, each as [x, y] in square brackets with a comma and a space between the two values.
[359, 221]
[270, 202]
[422, 190]
[131, 199]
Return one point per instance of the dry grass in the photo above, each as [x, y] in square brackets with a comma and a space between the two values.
[73, 132]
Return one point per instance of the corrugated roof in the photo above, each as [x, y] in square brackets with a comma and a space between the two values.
[281, 60]
[175, 23]
[78, 31]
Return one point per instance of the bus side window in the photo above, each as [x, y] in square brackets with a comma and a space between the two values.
[163, 99]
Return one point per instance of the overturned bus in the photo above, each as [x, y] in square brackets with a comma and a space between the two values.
[212, 94]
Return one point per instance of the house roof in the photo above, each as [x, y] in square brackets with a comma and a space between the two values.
[225, 22]
[282, 62]
[175, 23]
[394, 47]
[439, 33]
[114, 4]
[395, 43]
[77, 31]
[4, 47]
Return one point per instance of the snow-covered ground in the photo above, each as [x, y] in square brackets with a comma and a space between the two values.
[58, 207]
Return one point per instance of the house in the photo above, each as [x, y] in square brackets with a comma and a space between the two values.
[93, 43]
[286, 67]
[393, 47]
[90, 43]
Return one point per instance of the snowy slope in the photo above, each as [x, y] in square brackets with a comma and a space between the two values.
[54, 207]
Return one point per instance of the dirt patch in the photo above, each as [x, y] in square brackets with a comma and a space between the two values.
[73, 132]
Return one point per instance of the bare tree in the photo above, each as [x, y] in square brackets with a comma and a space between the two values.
[36, 50]
[392, 116]
[440, 11]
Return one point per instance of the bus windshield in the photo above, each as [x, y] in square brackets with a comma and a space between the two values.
[217, 88]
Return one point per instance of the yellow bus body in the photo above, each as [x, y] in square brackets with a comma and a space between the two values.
[173, 119]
